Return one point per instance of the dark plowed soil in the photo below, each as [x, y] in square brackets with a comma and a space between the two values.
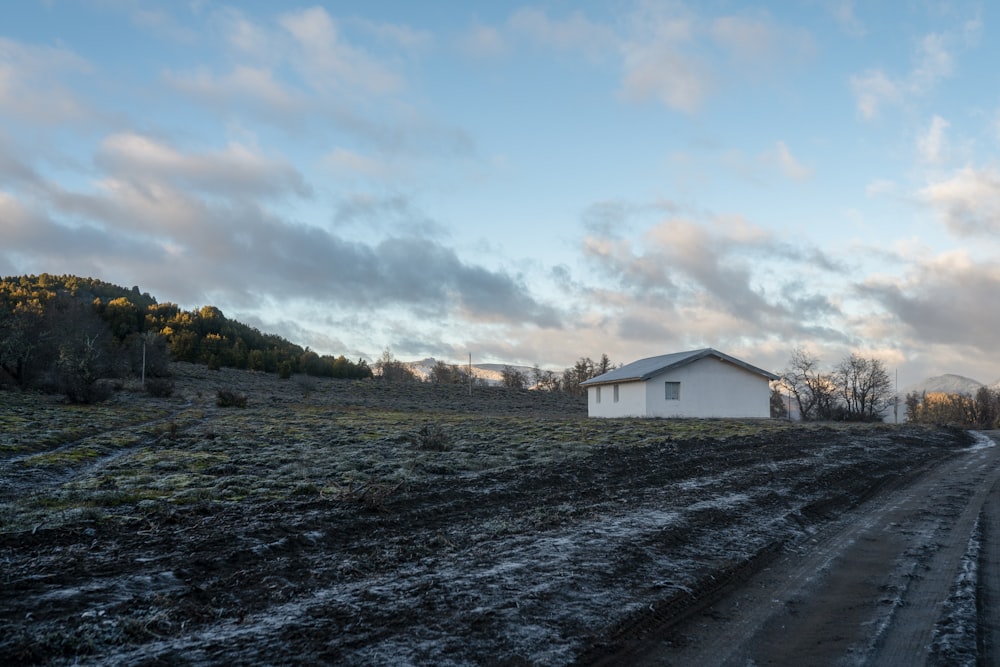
[353, 523]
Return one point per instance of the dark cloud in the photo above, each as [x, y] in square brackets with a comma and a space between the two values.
[191, 248]
[381, 212]
[945, 301]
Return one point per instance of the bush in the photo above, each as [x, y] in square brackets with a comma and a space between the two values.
[430, 437]
[159, 387]
[230, 399]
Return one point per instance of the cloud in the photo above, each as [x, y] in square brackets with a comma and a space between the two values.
[669, 53]
[574, 33]
[161, 23]
[196, 226]
[482, 41]
[329, 62]
[942, 300]
[933, 144]
[843, 13]
[874, 89]
[235, 170]
[707, 274]
[658, 61]
[243, 84]
[968, 201]
[31, 87]
[789, 165]
[401, 35]
[757, 42]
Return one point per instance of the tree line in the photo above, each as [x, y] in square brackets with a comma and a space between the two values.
[393, 370]
[855, 389]
[963, 410]
[68, 334]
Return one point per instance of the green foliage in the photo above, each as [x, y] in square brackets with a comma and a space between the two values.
[584, 369]
[230, 399]
[41, 339]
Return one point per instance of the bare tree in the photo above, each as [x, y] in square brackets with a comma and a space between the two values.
[812, 390]
[865, 387]
[392, 370]
[512, 378]
[443, 373]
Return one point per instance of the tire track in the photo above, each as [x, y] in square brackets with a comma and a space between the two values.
[868, 590]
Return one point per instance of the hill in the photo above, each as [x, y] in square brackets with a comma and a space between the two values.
[948, 383]
[65, 330]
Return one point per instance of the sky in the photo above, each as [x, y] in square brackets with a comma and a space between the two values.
[528, 183]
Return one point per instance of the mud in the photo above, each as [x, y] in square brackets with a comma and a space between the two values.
[527, 535]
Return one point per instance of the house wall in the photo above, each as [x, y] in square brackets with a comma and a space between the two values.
[710, 387]
[631, 400]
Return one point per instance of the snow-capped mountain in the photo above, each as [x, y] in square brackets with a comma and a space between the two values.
[948, 383]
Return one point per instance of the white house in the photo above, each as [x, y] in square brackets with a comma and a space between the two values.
[699, 383]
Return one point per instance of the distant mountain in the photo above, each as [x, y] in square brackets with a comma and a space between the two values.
[948, 383]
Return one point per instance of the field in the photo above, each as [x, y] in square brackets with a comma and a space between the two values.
[361, 523]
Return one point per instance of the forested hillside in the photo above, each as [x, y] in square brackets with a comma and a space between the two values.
[65, 333]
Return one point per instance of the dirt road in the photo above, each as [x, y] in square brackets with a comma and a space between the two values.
[909, 578]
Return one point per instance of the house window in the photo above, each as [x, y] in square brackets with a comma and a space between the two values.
[616, 393]
[672, 391]
[598, 394]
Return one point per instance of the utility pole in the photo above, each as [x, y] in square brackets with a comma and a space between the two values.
[470, 374]
[895, 397]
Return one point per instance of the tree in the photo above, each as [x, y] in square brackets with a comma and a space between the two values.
[864, 387]
[85, 354]
[512, 378]
[913, 400]
[779, 410]
[392, 370]
[987, 407]
[602, 366]
[813, 391]
[442, 373]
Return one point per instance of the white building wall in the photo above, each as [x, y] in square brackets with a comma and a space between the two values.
[710, 387]
[631, 400]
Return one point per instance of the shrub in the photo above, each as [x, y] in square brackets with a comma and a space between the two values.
[430, 437]
[230, 399]
[159, 387]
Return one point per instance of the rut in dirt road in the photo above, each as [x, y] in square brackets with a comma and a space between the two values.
[876, 587]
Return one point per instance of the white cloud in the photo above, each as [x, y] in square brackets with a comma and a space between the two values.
[32, 85]
[874, 89]
[350, 163]
[234, 170]
[757, 43]
[243, 83]
[481, 41]
[933, 144]
[575, 33]
[328, 62]
[789, 165]
[968, 201]
[843, 13]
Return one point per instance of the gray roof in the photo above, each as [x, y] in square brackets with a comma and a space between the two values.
[642, 370]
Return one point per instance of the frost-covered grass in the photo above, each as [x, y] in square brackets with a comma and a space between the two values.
[954, 641]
